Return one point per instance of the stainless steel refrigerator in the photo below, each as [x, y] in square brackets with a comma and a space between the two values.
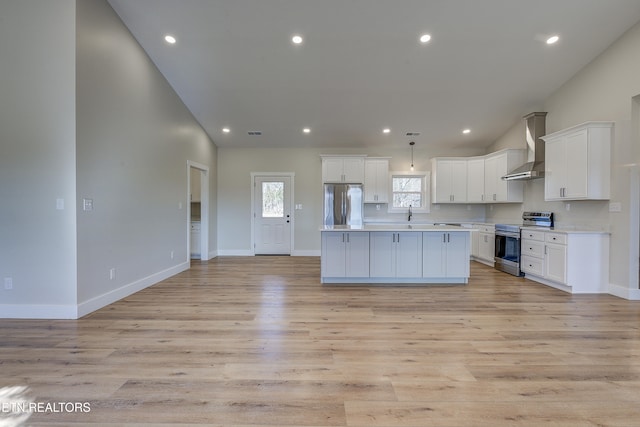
[343, 204]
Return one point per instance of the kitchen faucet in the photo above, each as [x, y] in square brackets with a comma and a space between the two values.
[410, 214]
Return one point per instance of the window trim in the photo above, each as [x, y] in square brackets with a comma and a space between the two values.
[426, 193]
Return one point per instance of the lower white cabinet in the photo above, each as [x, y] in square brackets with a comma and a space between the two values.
[345, 254]
[484, 246]
[396, 254]
[439, 255]
[574, 262]
[195, 240]
[445, 254]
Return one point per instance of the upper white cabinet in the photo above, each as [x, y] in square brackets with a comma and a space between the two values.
[376, 180]
[349, 169]
[475, 180]
[449, 180]
[578, 162]
[497, 165]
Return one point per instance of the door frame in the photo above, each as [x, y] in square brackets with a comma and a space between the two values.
[254, 175]
[204, 209]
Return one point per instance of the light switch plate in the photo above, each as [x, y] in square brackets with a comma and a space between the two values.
[59, 204]
[87, 204]
[615, 207]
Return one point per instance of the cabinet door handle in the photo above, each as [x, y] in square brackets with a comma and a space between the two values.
[448, 238]
[394, 237]
[444, 238]
[398, 237]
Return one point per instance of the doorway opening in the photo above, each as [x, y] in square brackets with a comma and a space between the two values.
[197, 211]
[272, 213]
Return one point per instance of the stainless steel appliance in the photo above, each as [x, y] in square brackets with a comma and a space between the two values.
[507, 252]
[343, 204]
[507, 249]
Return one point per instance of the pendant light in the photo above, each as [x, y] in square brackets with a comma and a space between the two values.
[412, 144]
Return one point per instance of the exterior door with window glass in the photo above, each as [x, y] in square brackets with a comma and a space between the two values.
[272, 216]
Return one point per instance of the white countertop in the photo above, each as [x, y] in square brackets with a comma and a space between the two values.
[569, 230]
[395, 227]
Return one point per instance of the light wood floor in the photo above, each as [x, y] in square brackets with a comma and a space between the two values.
[259, 342]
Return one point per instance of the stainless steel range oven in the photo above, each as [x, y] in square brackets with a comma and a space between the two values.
[507, 252]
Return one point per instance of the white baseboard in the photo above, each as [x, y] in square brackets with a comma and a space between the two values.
[235, 252]
[213, 254]
[38, 311]
[103, 300]
[306, 253]
[622, 292]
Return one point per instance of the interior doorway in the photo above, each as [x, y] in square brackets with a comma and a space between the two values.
[197, 211]
[272, 231]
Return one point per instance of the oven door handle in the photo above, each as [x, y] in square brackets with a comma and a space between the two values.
[508, 234]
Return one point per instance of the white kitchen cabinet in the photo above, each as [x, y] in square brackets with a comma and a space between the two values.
[396, 254]
[497, 165]
[376, 180]
[348, 169]
[345, 254]
[475, 180]
[578, 162]
[445, 254]
[576, 262]
[194, 241]
[555, 263]
[449, 180]
[486, 247]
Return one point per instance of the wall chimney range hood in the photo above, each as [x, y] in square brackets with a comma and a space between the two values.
[535, 128]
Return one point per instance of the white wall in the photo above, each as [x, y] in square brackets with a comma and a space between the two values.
[234, 191]
[37, 157]
[134, 138]
[603, 90]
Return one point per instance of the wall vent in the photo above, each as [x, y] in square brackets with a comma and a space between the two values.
[413, 134]
[255, 132]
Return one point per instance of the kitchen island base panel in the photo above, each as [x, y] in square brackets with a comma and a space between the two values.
[395, 281]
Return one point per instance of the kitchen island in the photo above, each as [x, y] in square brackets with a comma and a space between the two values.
[395, 254]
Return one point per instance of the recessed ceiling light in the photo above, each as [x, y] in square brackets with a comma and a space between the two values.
[296, 39]
[386, 130]
[466, 131]
[226, 130]
[306, 130]
[425, 38]
[170, 39]
[552, 39]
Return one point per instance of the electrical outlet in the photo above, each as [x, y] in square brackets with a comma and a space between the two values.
[567, 206]
[112, 273]
[615, 207]
[171, 254]
[8, 283]
[87, 205]
[377, 207]
[60, 204]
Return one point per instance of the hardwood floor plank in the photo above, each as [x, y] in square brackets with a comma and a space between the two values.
[258, 341]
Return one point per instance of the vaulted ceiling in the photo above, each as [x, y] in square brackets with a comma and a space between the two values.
[361, 67]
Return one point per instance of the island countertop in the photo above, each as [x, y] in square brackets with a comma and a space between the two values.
[396, 227]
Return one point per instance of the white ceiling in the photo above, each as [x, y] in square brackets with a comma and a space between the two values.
[361, 67]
